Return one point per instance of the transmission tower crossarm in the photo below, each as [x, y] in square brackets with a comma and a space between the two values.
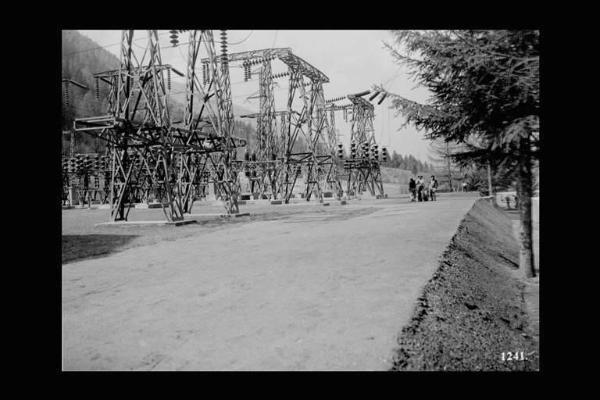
[286, 55]
[81, 85]
[256, 54]
[256, 115]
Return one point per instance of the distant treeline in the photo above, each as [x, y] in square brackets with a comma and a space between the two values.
[409, 163]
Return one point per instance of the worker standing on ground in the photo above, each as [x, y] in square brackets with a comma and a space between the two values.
[420, 186]
[432, 188]
[412, 188]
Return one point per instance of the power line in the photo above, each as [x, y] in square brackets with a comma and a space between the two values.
[241, 41]
[392, 78]
[142, 38]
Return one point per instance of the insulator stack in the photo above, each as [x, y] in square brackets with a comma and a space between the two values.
[364, 147]
[382, 98]
[224, 58]
[334, 100]
[66, 93]
[340, 151]
[97, 88]
[282, 74]
[374, 152]
[373, 96]
[366, 92]
[353, 150]
[169, 78]
[261, 60]
[247, 72]
[174, 38]
[384, 154]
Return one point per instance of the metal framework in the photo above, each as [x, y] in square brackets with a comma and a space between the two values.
[275, 165]
[151, 157]
[68, 175]
[87, 175]
[219, 166]
[362, 170]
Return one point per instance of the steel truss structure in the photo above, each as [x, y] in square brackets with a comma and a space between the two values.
[362, 170]
[153, 158]
[88, 175]
[218, 166]
[274, 165]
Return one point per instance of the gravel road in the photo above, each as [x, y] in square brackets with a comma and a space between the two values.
[313, 291]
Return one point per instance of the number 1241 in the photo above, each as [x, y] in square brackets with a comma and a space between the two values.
[516, 356]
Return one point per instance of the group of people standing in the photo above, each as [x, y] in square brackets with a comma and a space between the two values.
[421, 191]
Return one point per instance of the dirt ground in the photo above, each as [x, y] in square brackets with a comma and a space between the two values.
[295, 287]
[82, 239]
[477, 305]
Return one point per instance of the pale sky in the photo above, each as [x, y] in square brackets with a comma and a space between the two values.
[354, 60]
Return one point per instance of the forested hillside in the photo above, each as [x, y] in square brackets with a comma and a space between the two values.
[409, 163]
[79, 63]
[81, 58]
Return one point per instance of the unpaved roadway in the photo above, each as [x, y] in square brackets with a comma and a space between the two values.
[304, 293]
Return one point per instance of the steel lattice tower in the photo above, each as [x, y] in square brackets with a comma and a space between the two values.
[151, 157]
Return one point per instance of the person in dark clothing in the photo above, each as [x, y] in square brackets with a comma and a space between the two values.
[412, 188]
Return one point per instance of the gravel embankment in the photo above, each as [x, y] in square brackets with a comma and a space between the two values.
[473, 308]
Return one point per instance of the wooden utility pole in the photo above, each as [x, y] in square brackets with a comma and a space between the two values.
[449, 166]
[489, 171]
[525, 192]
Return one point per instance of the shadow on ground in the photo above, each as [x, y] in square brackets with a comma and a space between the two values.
[513, 214]
[85, 243]
[75, 247]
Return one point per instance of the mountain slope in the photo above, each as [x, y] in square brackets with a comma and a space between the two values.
[81, 59]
